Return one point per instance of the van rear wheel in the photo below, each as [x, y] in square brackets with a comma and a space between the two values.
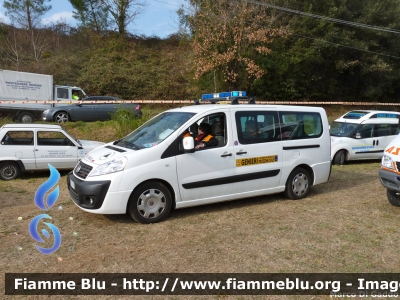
[9, 170]
[393, 198]
[150, 203]
[298, 184]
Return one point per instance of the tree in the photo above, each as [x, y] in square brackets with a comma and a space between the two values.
[14, 47]
[326, 59]
[27, 15]
[228, 36]
[123, 12]
[91, 14]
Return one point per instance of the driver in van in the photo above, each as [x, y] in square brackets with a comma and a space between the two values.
[75, 95]
[204, 138]
[250, 130]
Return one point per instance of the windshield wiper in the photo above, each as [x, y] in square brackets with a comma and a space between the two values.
[129, 144]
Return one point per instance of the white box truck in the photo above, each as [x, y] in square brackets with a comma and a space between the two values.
[22, 86]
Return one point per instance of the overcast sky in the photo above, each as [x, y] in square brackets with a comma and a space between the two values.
[159, 19]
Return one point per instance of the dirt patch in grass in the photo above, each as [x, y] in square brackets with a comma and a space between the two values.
[345, 225]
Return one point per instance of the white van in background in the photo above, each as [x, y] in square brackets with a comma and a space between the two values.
[362, 134]
[156, 167]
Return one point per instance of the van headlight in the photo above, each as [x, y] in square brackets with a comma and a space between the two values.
[113, 166]
[387, 162]
[46, 112]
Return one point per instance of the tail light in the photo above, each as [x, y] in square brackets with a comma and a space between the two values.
[137, 107]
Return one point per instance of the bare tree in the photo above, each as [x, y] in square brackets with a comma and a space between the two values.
[123, 12]
[14, 47]
[27, 14]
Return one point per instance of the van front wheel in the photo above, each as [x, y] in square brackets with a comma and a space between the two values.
[150, 203]
[339, 158]
[393, 198]
[298, 184]
[9, 170]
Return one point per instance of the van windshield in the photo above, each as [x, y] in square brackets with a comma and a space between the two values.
[342, 129]
[154, 131]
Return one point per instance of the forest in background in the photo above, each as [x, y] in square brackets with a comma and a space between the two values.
[339, 50]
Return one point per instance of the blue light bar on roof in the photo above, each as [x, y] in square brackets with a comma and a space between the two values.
[224, 95]
[207, 96]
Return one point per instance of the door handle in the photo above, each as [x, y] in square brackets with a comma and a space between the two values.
[241, 152]
[373, 143]
[226, 154]
[377, 142]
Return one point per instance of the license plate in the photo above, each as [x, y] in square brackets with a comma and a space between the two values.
[72, 184]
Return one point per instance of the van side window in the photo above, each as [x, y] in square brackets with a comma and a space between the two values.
[20, 138]
[52, 138]
[394, 129]
[365, 131]
[300, 125]
[255, 127]
[217, 122]
[382, 130]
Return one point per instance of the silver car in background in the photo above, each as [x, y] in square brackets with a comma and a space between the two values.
[88, 111]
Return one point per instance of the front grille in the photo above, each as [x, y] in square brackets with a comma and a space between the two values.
[82, 170]
[398, 166]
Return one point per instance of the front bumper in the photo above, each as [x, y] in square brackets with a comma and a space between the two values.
[47, 118]
[87, 194]
[390, 180]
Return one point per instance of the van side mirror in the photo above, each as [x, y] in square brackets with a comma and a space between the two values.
[358, 135]
[188, 144]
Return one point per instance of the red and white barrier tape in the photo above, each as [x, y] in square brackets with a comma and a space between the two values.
[191, 102]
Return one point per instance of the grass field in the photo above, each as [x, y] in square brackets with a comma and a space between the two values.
[344, 225]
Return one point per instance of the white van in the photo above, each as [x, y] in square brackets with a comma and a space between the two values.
[31, 147]
[155, 168]
[389, 174]
[362, 134]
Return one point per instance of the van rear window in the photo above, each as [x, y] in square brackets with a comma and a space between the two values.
[268, 126]
[20, 138]
[355, 114]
